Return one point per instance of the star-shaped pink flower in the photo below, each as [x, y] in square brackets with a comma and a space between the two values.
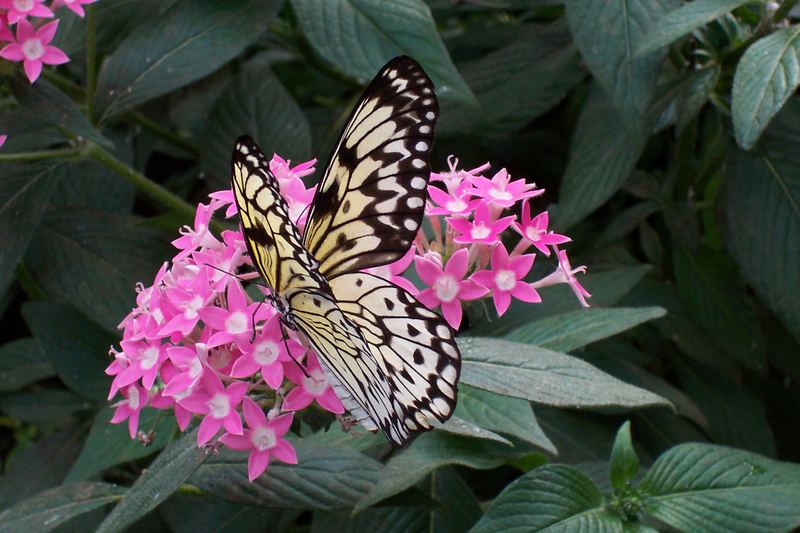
[234, 323]
[393, 272]
[266, 354]
[447, 287]
[506, 279]
[534, 231]
[481, 229]
[503, 192]
[566, 274]
[33, 48]
[459, 202]
[21, 9]
[76, 6]
[218, 404]
[313, 386]
[135, 398]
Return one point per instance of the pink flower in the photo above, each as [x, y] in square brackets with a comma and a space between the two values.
[5, 32]
[76, 6]
[534, 231]
[187, 300]
[506, 279]
[130, 407]
[218, 404]
[565, 274]
[144, 358]
[482, 229]
[185, 371]
[393, 271]
[448, 287]
[34, 49]
[3, 139]
[264, 438]
[459, 202]
[20, 9]
[267, 354]
[283, 171]
[199, 236]
[501, 191]
[454, 176]
[310, 387]
[234, 323]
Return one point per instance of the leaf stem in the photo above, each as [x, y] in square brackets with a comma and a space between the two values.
[91, 62]
[63, 153]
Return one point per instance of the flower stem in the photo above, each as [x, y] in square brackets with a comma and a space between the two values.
[63, 153]
[91, 61]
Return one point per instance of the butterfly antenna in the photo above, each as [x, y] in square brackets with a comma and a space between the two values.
[286, 343]
[303, 212]
[240, 278]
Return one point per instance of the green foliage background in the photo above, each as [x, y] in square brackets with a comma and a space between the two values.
[667, 134]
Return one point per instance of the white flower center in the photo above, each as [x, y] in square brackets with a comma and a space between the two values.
[480, 231]
[33, 49]
[501, 194]
[219, 406]
[533, 234]
[265, 352]
[446, 288]
[236, 323]
[133, 398]
[23, 5]
[191, 307]
[263, 438]
[505, 280]
[149, 358]
[316, 385]
[456, 206]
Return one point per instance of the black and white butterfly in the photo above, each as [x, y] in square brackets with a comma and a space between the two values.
[393, 362]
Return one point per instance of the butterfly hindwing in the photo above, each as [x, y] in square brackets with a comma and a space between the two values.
[370, 201]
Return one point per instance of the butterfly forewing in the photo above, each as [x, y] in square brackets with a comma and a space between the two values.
[370, 201]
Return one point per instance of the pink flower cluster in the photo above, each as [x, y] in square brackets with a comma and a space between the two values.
[200, 342]
[27, 40]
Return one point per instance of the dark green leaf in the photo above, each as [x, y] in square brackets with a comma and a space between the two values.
[383, 519]
[717, 300]
[92, 259]
[683, 21]
[712, 488]
[360, 36]
[762, 216]
[766, 76]
[192, 39]
[602, 156]
[22, 362]
[43, 405]
[552, 497]
[607, 33]
[569, 331]
[88, 185]
[76, 347]
[544, 376]
[23, 199]
[695, 94]
[624, 463]
[162, 478]
[111, 444]
[503, 414]
[460, 508]
[324, 478]
[625, 222]
[190, 514]
[27, 131]
[458, 426]
[55, 107]
[255, 103]
[53, 507]
[579, 437]
[430, 451]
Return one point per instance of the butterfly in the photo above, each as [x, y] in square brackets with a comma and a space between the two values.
[393, 362]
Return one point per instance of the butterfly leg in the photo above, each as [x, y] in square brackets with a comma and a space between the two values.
[289, 324]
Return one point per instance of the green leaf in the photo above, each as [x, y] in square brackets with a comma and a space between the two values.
[27, 131]
[48, 102]
[762, 216]
[324, 478]
[192, 39]
[569, 331]
[458, 426]
[429, 452]
[517, 83]
[624, 463]
[43, 405]
[360, 36]
[192, 513]
[86, 184]
[718, 301]
[92, 259]
[503, 414]
[162, 478]
[694, 95]
[23, 199]
[766, 76]
[257, 104]
[544, 376]
[602, 156]
[76, 347]
[682, 21]
[110, 444]
[607, 33]
[460, 509]
[696, 487]
[53, 507]
[22, 362]
[553, 498]
[579, 437]
[607, 289]
[39, 466]
[735, 416]
[384, 519]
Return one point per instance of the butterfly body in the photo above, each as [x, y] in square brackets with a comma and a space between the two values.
[392, 362]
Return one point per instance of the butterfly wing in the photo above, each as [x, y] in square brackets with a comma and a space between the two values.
[370, 202]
